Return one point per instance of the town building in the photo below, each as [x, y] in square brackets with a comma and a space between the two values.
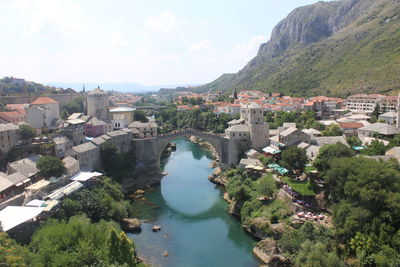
[98, 104]
[125, 111]
[378, 129]
[61, 145]
[367, 103]
[121, 140]
[13, 116]
[389, 117]
[146, 129]
[87, 154]
[71, 166]
[350, 128]
[43, 113]
[9, 136]
[95, 127]
[251, 127]
[290, 136]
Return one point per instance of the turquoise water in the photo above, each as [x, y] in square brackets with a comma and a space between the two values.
[196, 229]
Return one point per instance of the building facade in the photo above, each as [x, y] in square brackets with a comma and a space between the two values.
[98, 104]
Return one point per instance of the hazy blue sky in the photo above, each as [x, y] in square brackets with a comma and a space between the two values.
[148, 41]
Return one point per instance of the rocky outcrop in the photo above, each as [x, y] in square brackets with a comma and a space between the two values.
[217, 178]
[131, 225]
[267, 251]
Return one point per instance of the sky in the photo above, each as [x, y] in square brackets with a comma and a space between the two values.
[152, 42]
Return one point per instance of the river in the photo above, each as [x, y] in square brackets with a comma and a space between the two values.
[196, 229]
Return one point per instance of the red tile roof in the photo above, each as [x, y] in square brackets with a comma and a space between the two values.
[350, 125]
[44, 100]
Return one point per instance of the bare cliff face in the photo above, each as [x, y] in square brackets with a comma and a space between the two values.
[309, 24]
[334, 48]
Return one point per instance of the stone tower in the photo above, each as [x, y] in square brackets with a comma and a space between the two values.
[398, 111]
[98, 104]
[253, 116]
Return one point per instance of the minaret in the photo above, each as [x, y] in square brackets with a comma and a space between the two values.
[235, 95]
[398, 112]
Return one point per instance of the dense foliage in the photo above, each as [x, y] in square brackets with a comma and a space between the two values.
[332, 130]
[115, 164]
[26, 131]
[50, 166]
[294, 158]
[171, 119]
[76, 105]
[329, 152]
[303, 119]
[13, 254]
[103, 201]
[140, 115]
[366, 194]
[78, 242]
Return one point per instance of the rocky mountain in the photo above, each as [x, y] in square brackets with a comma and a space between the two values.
[333, 48]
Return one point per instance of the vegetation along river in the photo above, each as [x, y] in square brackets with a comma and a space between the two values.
[196, 229]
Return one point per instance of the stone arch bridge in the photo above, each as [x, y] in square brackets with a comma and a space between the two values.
[148, 152]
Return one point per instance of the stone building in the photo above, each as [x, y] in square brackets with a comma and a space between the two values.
[250, 127]
[42, 113]
[71, 166]
[121, 139]
[9, 136]
[87, 154]
[61, 145]
[146, 129]
[98, 104]
[293, 136]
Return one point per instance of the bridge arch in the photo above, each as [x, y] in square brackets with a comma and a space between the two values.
[213, 139]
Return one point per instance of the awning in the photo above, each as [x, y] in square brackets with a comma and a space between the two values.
[357, 148]
[258, 168]
[271, 150]
[65, 191]
[84, 176]
[250, 166]
[35, 203]
[13, 216]
[39, 185]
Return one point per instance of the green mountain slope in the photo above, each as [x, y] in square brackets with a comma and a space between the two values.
[333, 48]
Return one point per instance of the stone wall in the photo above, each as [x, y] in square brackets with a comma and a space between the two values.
[22, 99]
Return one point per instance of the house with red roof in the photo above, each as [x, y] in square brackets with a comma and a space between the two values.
[43, 113]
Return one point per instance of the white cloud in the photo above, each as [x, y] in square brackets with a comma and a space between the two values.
[165, 23]
[250, 48]
[201, 46]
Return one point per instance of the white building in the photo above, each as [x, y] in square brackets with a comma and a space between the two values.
[42, 113]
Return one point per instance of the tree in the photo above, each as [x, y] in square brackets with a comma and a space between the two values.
[12, 254]
[376, 147]
[329, 152]
[316, 254]
[354, 141]
[140, 115]
[27, 132]
[294, 158]
[78, 242]
[332, 130]
[266, 160]
[50, 166]
[266, 185]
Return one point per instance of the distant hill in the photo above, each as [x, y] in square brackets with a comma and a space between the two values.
[16, 86]
[333, 48]
[127, 87]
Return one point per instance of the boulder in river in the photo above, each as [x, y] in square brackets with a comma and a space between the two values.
[139, 191]
[165, 253]
[156, 228]
[131, 225]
